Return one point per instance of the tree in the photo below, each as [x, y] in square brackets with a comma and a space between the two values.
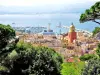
[92, 67]
[7, 42]
[26, 60]
[46, 62]
[87, 57]
[98, 50]
[6, 33]
[92, 14]
[96, 30]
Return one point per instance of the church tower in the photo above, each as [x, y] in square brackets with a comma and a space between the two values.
[72, 34]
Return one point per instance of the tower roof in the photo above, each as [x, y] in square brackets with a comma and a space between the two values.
[72, 26]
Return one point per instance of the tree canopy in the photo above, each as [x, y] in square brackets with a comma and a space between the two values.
[98, 50]
[96, 30]
[6, 33]
[86, 57]
[26, 59]
[92, 67]
[92, 14]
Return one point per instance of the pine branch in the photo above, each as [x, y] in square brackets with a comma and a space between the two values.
[96, 22]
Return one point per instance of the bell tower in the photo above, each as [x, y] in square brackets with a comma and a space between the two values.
[72, 34]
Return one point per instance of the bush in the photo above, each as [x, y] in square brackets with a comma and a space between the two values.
[26, 59]
[6, 33]
[3, 70]
[96, 30]
[72, 68]
[92, 67]
[98, 50]
[87, 57]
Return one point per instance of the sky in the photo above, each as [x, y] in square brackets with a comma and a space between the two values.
[44, 6]
[41, 12]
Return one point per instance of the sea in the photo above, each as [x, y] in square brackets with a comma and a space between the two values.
[38, 20]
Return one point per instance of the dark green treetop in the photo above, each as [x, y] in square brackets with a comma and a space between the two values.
[26, 59]
[92, 14]
[92, 67]
[6, 33]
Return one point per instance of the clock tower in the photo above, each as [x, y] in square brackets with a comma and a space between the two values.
[72, 34]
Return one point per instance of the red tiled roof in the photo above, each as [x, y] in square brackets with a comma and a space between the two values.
[70, 60]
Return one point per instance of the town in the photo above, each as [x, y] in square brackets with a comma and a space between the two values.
[70, 44]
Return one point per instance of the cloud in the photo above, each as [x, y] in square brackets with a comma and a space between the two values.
[41, 2]
[44, 6]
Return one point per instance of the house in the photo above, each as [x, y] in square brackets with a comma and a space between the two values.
[69, 52]
[71, 59]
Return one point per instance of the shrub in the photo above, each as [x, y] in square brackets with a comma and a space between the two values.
[92, 67]
[72, 68]
[26, 59]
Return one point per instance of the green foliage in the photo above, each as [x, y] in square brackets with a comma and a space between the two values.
[98, 50]
[33, 60]
[96, 30]
[92, 67]
[13, 55]
[6, 34]
[91, 14]
[87, 57]
[46, 62]
[2, 68]
[72, 68]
